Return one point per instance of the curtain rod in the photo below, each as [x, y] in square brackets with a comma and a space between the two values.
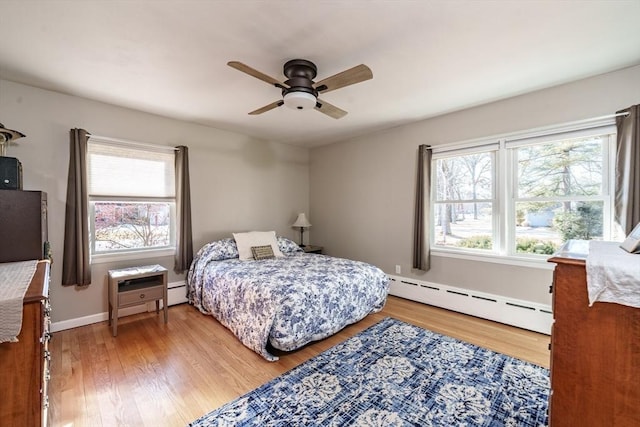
[608, 116]
[133, 143]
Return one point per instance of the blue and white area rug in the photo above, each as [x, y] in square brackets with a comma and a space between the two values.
[396, 374]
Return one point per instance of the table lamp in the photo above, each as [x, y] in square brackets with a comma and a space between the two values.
[303, 223]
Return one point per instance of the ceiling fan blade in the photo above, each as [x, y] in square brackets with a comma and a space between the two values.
[255, 73]
[267, 107]
[330, 110]
[354, 75]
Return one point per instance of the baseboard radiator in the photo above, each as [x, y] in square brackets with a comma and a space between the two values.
[523, 314]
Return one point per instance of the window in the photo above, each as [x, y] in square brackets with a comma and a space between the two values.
[131, 197]
[561, 192]
[524, 196]
[464, 200]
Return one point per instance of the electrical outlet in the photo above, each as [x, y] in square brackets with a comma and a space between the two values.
[398, 269]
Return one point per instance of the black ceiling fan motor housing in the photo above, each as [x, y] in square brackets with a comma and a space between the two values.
[300, 73]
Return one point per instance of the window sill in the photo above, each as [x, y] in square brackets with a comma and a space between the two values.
[520, 261]
[133, 255]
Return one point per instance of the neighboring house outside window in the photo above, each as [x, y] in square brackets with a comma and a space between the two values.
[131, 198]
[525, 195]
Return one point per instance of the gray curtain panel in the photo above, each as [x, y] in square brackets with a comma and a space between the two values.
[184, 239]
[421, 248]
[627, 191]
[76, 267]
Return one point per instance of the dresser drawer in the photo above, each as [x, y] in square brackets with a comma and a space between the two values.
[139, 296]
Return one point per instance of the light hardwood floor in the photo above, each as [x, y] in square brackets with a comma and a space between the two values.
[154, 374]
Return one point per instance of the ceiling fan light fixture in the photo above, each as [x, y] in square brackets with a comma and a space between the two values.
[300, 92]
[300, 100]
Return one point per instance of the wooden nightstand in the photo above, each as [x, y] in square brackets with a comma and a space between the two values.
[310, 249]
[136, 285]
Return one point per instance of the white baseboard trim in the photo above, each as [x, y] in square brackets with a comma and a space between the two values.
[176, 294]
[523, 314]
[95, 318]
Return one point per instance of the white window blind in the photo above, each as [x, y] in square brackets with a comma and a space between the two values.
[123, 171]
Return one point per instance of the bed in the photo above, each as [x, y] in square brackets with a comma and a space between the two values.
[286, 301]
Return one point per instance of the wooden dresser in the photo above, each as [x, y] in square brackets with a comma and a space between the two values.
[24, 365]
[23, 222]
[595, 351]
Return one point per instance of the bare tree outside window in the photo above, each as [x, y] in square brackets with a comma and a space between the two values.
[122, 226]
[464, 200]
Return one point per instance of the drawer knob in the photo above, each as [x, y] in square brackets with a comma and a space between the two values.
[141, 296]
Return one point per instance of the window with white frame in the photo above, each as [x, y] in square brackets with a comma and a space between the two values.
[131, 191]
[524, 196]
[464, 198]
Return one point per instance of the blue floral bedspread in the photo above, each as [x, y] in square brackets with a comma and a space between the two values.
[288, 301]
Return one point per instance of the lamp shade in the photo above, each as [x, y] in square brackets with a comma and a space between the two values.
[300, 100]
[301, 221]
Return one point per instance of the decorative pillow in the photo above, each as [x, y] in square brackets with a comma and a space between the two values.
[244, 242]
[262, 252]
[288, 246]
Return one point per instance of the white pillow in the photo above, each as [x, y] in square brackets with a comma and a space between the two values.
[244, 242]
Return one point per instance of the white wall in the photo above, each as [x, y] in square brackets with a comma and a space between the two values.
[238, 183]
[362, 190]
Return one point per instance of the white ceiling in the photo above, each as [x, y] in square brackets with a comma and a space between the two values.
[427, 57]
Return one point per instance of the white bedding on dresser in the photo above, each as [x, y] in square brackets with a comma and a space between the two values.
[613, 275]
[14, 281]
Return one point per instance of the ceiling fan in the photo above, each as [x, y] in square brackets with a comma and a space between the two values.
[300, 92]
